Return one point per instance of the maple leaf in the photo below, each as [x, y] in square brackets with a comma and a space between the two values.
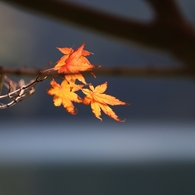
[64, 94]
[74, 62]
[99, 100]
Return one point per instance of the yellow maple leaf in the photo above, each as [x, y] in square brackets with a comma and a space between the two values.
[74, 62]
[99, 101]
[65, 94]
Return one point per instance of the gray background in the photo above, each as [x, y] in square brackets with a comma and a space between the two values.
[45, 150]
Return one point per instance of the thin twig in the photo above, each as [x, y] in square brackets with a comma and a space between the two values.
[2, 77]
[17, 95]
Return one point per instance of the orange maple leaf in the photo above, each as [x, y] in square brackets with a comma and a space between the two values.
[74, 62]
[99, 101]
[64, 94]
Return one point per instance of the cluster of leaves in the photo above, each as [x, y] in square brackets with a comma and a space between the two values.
[71, 65]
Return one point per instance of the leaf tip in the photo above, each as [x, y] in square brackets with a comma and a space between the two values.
[122, 121]
[119, 120]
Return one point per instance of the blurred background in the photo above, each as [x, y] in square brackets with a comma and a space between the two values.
[45, 150]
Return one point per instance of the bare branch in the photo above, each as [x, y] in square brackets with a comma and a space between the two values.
[2, 77]
[114, 71]
[19, 92]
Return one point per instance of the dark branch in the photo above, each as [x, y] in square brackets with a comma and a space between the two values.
[125, 71]
[167, 10]
[87, 17]
[168, 32]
